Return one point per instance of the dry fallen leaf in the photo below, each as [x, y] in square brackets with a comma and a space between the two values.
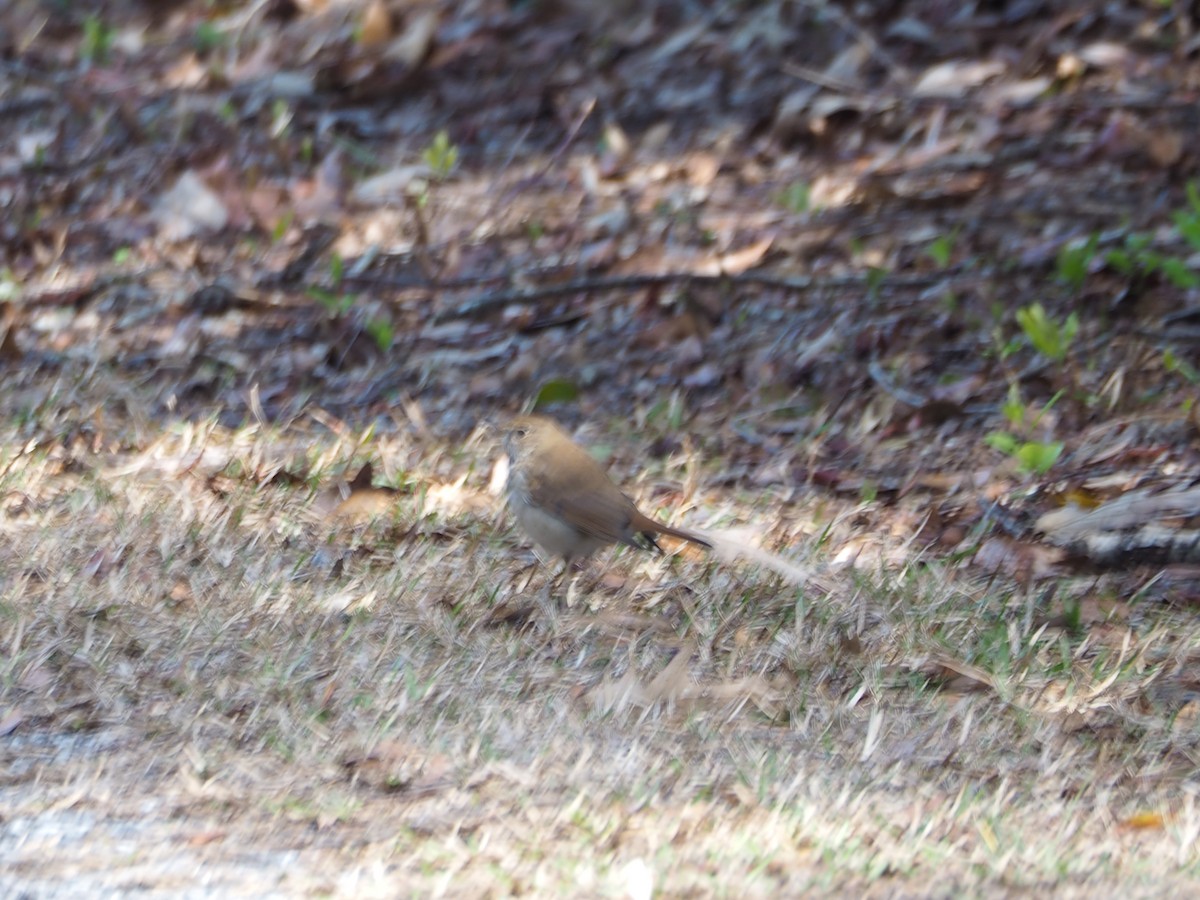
[738, 261]
[375, 27]
[1142, 821]
[1164, 146]
[954, 78]
[190, 207]
[10, 721]
[413, 46]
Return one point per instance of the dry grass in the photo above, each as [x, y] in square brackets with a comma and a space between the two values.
[219, 679]
[206, 686]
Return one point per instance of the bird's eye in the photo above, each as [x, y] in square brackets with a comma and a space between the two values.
[518, 433]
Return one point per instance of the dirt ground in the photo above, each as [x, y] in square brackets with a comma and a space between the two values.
[905, 293]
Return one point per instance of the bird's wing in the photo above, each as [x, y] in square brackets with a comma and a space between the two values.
[592, 504]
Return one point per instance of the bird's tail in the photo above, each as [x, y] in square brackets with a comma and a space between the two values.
[732, 545]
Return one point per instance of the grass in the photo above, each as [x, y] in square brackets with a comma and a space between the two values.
[195, 658]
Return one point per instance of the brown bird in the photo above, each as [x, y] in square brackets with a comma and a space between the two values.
[564, 500]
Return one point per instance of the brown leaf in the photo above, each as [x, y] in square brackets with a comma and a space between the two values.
[1127, 511]
[1092, 610]
[1016, 559]
[935, 412]
[1141, 821]
[957, 677]
[204, 838]
[10, 721]
[366, 504]
[702, 169]
[181, 593]
[375, 26]
[514, 614]
[9, 349]
[1164, 146]
[738, 261]
[36, 680]
[402, 766]
[412, 47]
[356, 502]
[613, 580]
[954, 78]
[362, 480]
[188, 208]
[103, 560]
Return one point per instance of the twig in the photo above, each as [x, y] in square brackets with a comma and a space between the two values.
[820, 79]
[421, 245]
[487, 302]
[904, 395]
[895, 70]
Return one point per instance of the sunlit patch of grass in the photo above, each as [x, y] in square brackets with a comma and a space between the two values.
[708, 720]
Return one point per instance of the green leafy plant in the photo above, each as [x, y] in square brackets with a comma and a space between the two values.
[97, 41]
[868, 492]
[9, 288]
[941, 249]
[1013, 408]
[338, 304]
[1188, 220]
[1179, 273]
[667, 413]
[441, 156]
[1050, 338]
[381, 332]
[1136, 259]
[282, 225]
[797, 197]
[1035, 457]
[1003, 347]
[281, 118]
[206, 38]
[1131, 257]
[380, 328]
[556, 390]
[1177, 365]
[875, 277]
[1075, 259]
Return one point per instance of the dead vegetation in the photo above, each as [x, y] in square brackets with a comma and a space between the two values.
[776, 295]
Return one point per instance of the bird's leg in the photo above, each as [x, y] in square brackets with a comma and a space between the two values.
[547, 601]
[561, 577]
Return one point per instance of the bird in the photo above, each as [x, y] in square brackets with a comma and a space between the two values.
[564, 500]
